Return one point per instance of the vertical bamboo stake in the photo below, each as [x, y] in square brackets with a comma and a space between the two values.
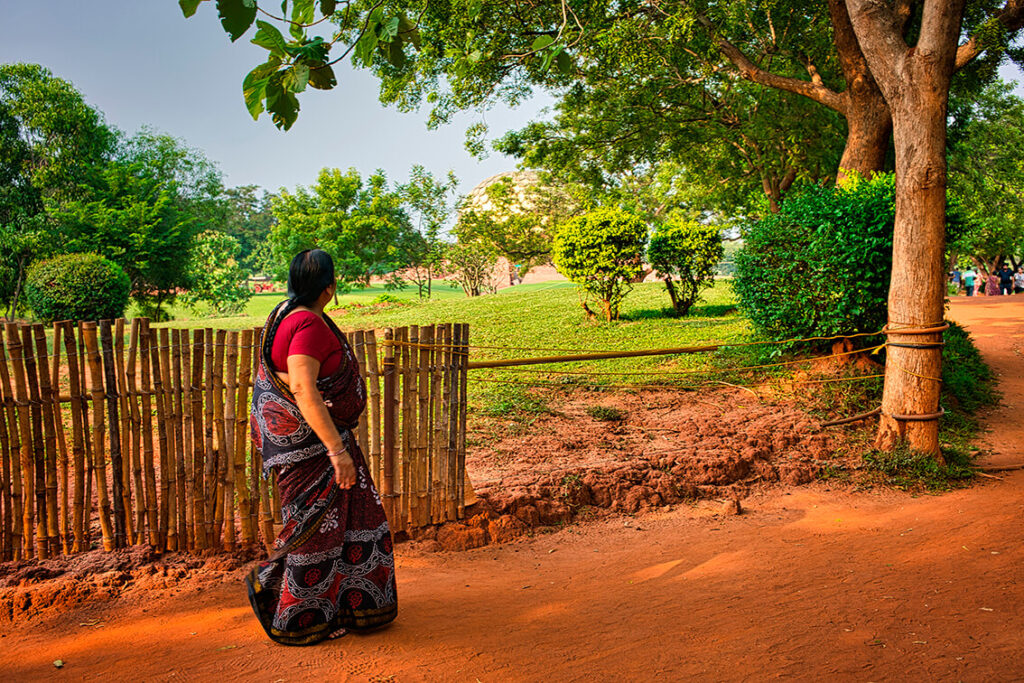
[87, 430]
[198, 453]
[62, 446]
[135, 416]
[359, 346]
[220, 470]
[373, 412]
[113, 429]
[390, 419]
[77, 438]
[450, 411]
[423, 431]
[159, 353]
[241, 432]
[15, 514]
[228, 455]
[256, 458]
[125, 427]
[405, 337]
[38, 455]
[182, 439]
[49, 461]
[14, 348]
[267, 518]
[98, 432]
[6, 503]
[439, 437]
[210, 476]
[148, 469]
[275, 499]
[461, 443]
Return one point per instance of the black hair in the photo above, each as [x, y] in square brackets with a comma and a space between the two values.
[310, 273]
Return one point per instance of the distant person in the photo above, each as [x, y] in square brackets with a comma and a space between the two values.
[956, 278]
[969, 277]
[992, 285]
[1005, 280]
[332, 567]
[1018, 280]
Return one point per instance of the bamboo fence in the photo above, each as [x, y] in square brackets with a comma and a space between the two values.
[116, 433]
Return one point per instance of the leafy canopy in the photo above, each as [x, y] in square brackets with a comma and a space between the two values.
[684, 254]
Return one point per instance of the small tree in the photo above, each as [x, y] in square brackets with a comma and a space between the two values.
[77, 287]
[215, 274]
[684, 254]
[472, 267]
[602, 252]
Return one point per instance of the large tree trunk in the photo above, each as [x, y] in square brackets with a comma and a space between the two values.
[869, 129]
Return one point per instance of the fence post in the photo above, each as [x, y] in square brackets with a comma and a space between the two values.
[389, 422]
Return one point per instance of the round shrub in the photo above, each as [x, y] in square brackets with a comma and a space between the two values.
[821, 266]
[602, 252]
[684, 254]
[77, 287]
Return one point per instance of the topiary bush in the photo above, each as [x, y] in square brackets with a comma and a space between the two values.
[77, 287]
[684, 254]
[820, 266]
[602, 252]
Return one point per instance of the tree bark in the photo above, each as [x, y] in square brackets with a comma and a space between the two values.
[869, 129]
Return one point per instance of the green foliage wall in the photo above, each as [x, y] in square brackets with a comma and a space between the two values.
[820, 266]
[77, 287]
[602, 252]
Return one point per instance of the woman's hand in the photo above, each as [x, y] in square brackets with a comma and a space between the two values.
[344, 470]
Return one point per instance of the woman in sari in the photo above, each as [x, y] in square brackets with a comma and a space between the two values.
[332, 568]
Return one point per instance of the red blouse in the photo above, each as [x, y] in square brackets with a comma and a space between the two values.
[305, 333]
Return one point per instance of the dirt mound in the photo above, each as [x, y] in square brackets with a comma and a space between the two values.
[33, 588]
[665, 448]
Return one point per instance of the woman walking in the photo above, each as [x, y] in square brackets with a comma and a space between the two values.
[332, 568]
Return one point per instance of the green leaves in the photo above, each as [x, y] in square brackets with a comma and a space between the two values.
[188, 7]
[282, 105]
[303, 11]
[327, 7]
[322, 77]
[541, 42]
[236, 16]
[270, 38]
[254, 87]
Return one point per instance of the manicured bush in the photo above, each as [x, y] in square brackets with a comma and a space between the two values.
[602, 252]
[684, 254]
[821, 265]
[77, 287]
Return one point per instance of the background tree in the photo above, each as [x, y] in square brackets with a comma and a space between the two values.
[216, 276]
[471, 266]
[429, 202]
[249, 219]
[361, 224]
[684, 254]
[602, 252]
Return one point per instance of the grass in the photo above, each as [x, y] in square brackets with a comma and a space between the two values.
[606, 413]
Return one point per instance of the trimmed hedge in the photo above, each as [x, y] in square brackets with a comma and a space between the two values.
[77, 287]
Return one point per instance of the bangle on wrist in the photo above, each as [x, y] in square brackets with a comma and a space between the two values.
[339, 452]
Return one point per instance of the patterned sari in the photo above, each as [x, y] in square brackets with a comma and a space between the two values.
[333, 565]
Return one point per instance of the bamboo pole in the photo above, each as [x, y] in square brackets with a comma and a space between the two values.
[160, 353]
[359, 346]
[439, 438]
[267, 517]
[46, 395]
[14, 518]
[87, 430]
[423, 431]
[148, 468]
[135, 422]
[373, 412]
[591, 356]
[275, 500]
[409, 336]
[220, 436]
[241, 433]
[6, 509]
[62, 446]
[198, 452]
[451, 426]
[182, 441]
[114, 430]
[98, 432]
[256, 458]
[229, 456]
[38, 446]
[390, 419]
[125, 428]
[460, 481]
[210, 474]
[78, 523]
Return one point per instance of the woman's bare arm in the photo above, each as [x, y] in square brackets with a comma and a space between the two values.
[301, 378]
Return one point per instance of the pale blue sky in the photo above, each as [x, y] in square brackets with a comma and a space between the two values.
[142, 63]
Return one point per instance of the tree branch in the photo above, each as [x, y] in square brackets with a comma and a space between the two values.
[940, 26]
[879, 32]
[752, 72]
[1011, 16]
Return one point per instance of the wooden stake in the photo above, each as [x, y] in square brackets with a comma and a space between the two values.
[463, 360]
[229, 457]
[124, 413]
[198, 451]
[408, 335]
[439, 438]
[373, 412]
[359, 346]
[78, 522]
[62, 446]
[148, 469]
[256, 458]
[210, 475]
[98, 432]
[160, 354]
[423, 431]
[220, 436]
[114, 429]
[390, 424]
[135, 422]
[14, 519]
[38, 472]
[48, 397]
[87, 430]
[447, 402]
[242, 433]
[182, 440]
[267, 519]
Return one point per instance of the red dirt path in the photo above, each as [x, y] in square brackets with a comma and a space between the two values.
[807, 584]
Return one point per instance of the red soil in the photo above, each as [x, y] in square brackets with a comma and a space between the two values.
[810, 582]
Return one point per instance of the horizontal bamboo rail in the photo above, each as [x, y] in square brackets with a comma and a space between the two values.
[114, 434]
[600, 355]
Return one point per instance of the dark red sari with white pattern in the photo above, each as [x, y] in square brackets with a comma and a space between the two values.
[333, 565]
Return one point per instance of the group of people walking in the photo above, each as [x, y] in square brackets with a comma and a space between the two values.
[1000, 282]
